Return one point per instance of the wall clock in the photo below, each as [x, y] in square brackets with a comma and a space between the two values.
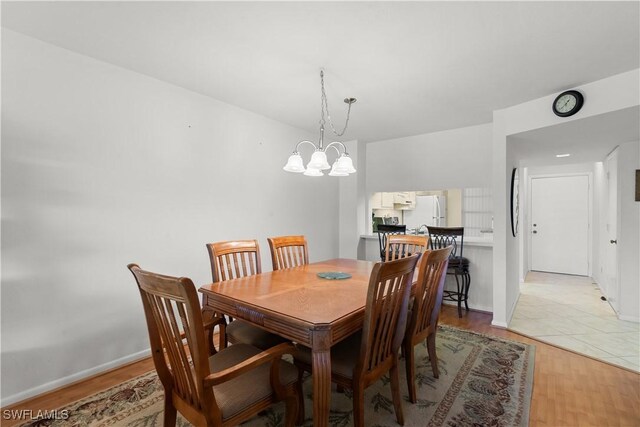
[568, 103]
[515, 202]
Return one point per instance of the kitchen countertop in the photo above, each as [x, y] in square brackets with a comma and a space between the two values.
[468, 240]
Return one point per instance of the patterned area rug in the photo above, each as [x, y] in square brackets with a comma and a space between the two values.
[483, 381]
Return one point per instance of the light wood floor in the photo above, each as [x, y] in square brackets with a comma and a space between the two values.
[569, 389]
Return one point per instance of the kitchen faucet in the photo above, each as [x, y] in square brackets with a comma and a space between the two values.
[420, 228]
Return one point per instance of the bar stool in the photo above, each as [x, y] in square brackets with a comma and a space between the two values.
[383, 231]
[441, 237]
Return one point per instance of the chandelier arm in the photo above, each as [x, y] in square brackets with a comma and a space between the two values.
[344, 147]
[302, 142]
[335, 148]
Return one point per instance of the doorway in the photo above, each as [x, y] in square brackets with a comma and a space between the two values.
[560, 222]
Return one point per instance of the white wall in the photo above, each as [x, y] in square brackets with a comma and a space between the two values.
[628, 231]
[352, 203]
[458, 158]
[455, 158]
[611, 94]
[102, 167]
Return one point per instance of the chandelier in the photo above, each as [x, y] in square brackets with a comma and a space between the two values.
[343, 165]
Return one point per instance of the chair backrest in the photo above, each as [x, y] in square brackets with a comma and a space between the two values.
[385, 316]
[171, 307]
[403, 245]
[385, 230]
[288, 251]
[233, 259]
[442, 237]
[428, 297]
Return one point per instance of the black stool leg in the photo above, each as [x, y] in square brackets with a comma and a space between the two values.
[460, 292]
[467, 280]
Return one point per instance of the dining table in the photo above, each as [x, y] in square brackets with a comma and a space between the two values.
[297, 304]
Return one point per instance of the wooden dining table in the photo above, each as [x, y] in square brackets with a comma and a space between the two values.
[297, 304]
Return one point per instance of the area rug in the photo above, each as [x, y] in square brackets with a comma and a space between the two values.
[484, 381]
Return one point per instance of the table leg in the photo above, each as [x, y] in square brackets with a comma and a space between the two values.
[321, 367]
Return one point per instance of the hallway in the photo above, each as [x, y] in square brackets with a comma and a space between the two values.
[567, 311]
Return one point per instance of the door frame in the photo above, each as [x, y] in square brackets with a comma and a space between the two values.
[528, 227]
[605, 170]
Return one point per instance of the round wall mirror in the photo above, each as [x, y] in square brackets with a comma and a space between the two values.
[515, 202]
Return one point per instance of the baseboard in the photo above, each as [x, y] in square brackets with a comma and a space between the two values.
[629, 319]
[487, 310]
[78, 376]
[501, 325]
[512, 309]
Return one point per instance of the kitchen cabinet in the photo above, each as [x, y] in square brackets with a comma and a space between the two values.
[404, 200]
[381, 201]
[400, 200]
[387, 200]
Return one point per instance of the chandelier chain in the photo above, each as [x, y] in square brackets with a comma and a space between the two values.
[324, 106]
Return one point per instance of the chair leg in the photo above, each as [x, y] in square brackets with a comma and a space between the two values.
[460, 291]
[395, 391]
[291, 411]
[358, 405]
[467, 280]
[169, 410]
[433, 357]
[300, 397]
[411, 370]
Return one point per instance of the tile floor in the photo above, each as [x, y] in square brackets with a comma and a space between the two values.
[567, 311]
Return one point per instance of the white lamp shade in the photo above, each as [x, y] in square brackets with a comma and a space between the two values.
[344, 165]
[312, 172]
[294, 164]
[335, 171]
[319, 161]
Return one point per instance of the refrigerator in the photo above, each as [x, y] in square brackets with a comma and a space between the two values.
[429, 210]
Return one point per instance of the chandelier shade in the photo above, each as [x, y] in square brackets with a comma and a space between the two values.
[343, 165]
[294, 164]
[312, 172]
[319, 161]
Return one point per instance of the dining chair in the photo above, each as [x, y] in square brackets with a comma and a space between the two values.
[423, 316]
[385, 230]
[361, 359]
[288, 251]
[223, 389]
[402, 245]
[442, 237]
[232, 260]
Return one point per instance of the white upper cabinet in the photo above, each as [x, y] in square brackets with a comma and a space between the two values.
[404, 200]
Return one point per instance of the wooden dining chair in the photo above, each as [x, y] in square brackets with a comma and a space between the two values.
[423, 316]
[361, 359]
[402, 245]
[232, 260]
[384, 231]
[223, 389]
[288, 251]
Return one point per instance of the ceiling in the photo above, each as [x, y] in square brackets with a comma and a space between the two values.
[587, 140]
[415, 67]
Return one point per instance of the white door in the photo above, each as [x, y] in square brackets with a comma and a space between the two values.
[611, 236]
[560, 224]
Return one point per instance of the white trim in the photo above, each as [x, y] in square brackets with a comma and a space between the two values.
[513, 307]
[590, 203]
[475, 307]
[501, 325]
[60, 382]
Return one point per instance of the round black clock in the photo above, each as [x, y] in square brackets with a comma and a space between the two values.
[568, 103]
